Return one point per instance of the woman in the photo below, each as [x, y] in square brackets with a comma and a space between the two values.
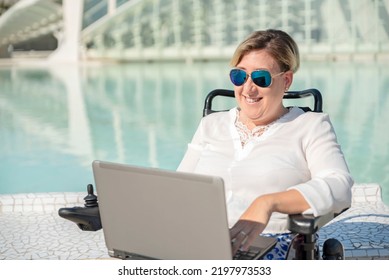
[275, 161]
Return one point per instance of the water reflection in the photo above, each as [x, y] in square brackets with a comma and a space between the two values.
[55, 121]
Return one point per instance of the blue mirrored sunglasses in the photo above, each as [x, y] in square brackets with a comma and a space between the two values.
[261, 78]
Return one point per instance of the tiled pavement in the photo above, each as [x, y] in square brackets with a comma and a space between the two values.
[364, 228]
[30, 227]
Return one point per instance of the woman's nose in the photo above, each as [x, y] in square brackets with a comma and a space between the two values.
[249, 85]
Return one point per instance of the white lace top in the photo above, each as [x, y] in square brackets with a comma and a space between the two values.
[298, 151]
[246, 134]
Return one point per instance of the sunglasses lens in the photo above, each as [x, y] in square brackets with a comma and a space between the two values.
[261, 78]
[238, 77]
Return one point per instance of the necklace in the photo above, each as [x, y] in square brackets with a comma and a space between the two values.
[245, 134]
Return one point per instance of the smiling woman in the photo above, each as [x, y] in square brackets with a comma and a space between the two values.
[290, 164]
[272, 57]
[264, 106]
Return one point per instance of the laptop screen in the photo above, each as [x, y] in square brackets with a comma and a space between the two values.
[161, 214]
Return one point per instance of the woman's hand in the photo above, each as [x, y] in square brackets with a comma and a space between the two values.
[256, 217]
[250, 225]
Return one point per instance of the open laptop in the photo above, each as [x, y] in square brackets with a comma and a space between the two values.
[150, 213]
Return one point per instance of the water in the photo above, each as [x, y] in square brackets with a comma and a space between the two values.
[54, 121]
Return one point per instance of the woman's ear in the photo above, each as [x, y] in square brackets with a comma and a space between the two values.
[288, 79]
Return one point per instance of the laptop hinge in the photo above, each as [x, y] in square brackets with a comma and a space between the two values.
[129, 256]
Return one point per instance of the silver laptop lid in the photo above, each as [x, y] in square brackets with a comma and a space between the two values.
[154, 213]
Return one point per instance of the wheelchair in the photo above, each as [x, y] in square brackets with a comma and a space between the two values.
[305, 226]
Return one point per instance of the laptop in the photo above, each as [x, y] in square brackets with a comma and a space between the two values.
[150, 213]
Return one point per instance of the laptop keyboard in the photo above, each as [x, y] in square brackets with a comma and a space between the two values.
[252, 254]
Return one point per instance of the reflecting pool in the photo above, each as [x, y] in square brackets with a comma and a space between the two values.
[54, 121]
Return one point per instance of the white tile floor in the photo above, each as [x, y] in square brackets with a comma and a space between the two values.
[30, 227]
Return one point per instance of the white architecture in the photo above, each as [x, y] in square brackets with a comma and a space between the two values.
[196, 29]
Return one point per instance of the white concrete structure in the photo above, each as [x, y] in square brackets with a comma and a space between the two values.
[69, 48]
[196, 29]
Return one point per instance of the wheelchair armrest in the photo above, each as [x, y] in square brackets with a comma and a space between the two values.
[307, 223]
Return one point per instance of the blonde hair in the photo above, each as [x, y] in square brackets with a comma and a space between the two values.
[277, 43]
